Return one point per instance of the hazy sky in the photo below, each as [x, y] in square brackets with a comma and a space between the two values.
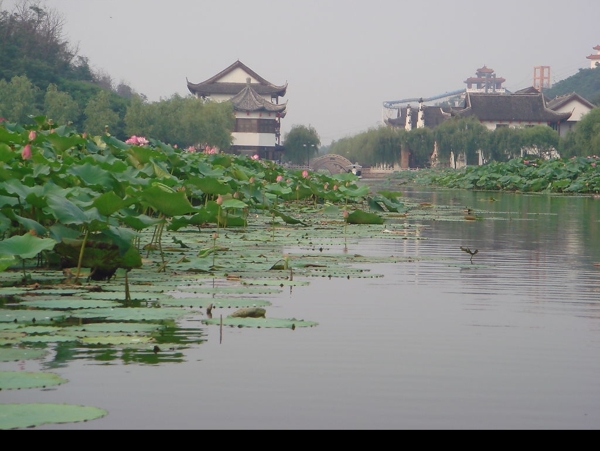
[341, 58]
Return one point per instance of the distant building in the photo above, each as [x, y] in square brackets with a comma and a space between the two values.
[485, 80]
[523, 108]
[256, 107]
[423, 116]
[595, 59]
[570, 103]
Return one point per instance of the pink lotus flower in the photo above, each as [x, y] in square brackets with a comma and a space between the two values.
[191, 149]
[334, 187]
[255, 157]
[219, 200]
[593, 165]
[137, 140]
[305, 174]
[279, 178]
[26, 152]
[31, 135]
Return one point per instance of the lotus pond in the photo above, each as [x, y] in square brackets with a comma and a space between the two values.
[367, 326]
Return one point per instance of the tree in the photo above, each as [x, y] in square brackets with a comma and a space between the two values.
[99, 115]
[17, 100]
[420, 142]
[584, 139]
[300, 144]
[60, 106]
[539, 140]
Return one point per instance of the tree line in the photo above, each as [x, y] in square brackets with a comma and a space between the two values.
[41, 74]
[381, 145]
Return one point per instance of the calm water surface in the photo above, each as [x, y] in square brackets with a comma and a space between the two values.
[511, 341]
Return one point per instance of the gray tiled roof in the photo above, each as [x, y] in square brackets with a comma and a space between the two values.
[249, 100]
[212, 86]
[510, 108]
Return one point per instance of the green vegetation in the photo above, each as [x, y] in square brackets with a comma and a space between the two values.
[576, 175]
[41, 74]
[301, 144]
[586, 83]
[381, 146]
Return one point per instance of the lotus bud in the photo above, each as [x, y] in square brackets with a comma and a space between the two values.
[26, 152]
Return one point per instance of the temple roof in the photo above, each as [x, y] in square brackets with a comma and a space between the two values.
[509, 108]
[249, 100]
[213, 86]
[485, 69]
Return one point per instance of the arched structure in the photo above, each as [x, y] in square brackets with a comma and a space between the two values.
[333, 163]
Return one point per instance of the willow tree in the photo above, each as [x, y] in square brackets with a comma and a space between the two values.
[420, 143]
[301, 143]
[460, 135]
[584, 139]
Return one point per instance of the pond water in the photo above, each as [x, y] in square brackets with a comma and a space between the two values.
[507, 340]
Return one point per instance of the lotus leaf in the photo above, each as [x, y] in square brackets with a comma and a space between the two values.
[13, 416]
[12, 380]
[15, 354]
[261, 322]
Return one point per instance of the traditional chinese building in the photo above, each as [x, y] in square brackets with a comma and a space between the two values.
[595, 59]
[256, 107]
[485, 80]
[523, 108]
[570, 103]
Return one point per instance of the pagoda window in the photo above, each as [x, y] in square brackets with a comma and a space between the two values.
[243, 125]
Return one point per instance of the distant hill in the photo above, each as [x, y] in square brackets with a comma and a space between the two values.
[586, 83]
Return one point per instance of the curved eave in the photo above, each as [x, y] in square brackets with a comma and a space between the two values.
[249, 100]
[209, 89]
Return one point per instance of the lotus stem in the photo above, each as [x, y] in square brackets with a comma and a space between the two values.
[81, 252]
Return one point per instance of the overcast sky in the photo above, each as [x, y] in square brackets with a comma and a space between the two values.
[341, 58]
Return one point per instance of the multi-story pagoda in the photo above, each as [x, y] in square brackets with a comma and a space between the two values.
[256, 107]
[595, 59]
[485, 81]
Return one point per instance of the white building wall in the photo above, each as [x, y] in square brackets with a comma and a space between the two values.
[253, 139]
[578, 109]
[237, 76]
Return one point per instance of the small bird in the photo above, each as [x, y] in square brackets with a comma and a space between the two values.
[469, 251]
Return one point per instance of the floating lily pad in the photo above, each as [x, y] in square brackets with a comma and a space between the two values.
[261, 322]
[184, 292]
[115, 327]
[117, 340]
[14, 354]
[120, 296]
[280, 282]
[28, 316]
[65, 304]
[216, 302]
[13, 380]
[131, 314]
[13, 416]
